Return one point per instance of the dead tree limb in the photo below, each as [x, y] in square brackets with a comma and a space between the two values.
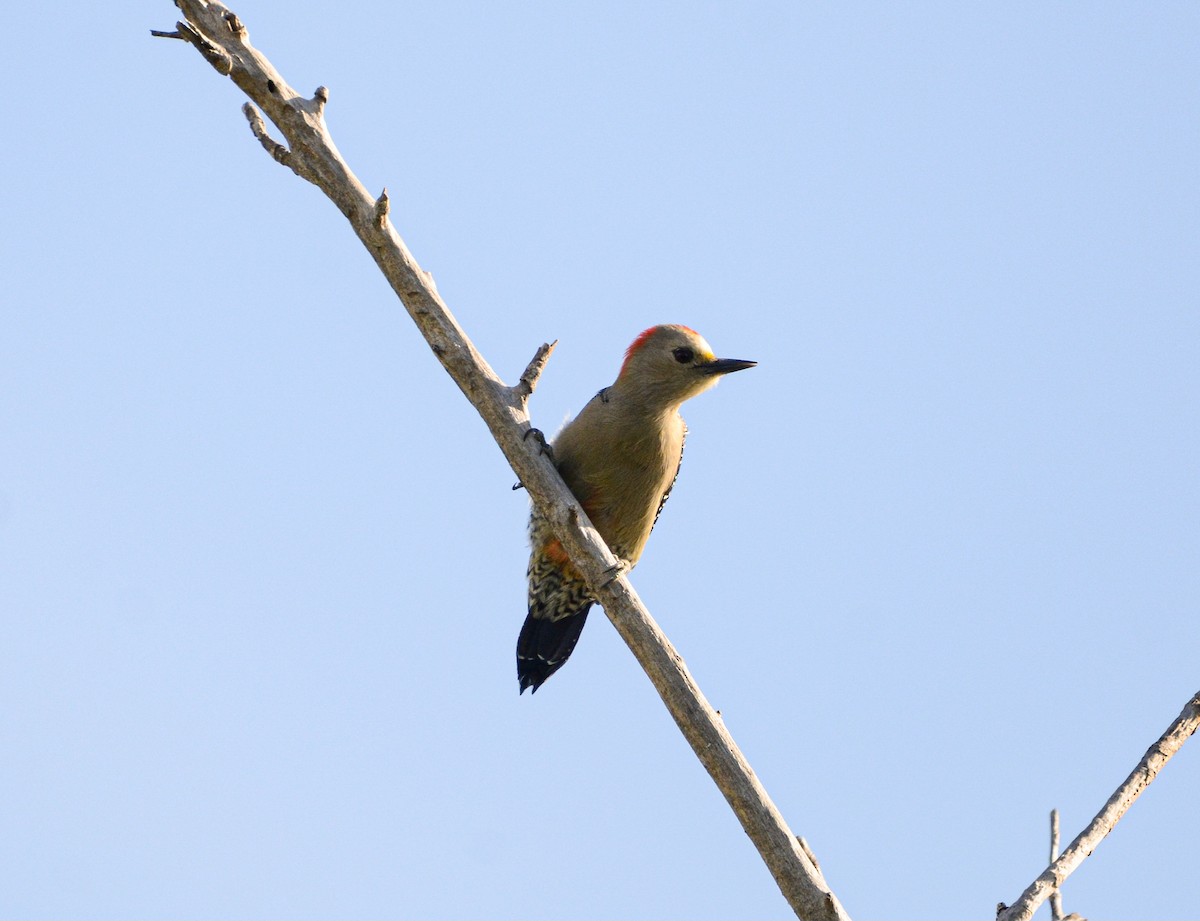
[308, 150]
[1078, 850]
[1056, 913]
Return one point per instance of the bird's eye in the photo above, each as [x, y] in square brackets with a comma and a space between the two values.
[683, 355]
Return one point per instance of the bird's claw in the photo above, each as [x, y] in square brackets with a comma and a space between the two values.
[543, 445]
[613, 573]
[543, 448]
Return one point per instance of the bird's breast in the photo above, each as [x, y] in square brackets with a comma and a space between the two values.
[620, 472]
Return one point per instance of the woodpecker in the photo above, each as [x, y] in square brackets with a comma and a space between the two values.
[620, 457]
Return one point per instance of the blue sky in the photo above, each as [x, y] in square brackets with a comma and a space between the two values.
[935, 558]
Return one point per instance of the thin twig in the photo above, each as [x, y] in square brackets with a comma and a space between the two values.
[312, 155]
[216, 56]
[533, 370]
[1147, 769]
[258, 128]
[1056, 896]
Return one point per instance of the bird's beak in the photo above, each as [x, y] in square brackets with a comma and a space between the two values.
[726, 366]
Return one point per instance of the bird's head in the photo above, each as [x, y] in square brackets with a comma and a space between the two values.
[666, 365]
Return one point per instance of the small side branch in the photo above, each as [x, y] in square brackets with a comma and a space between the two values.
[214, 54]
[1118, 804]
[533, 371]
[383, 206]
[258, 127]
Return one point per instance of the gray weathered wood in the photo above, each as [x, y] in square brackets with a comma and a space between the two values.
[1056, 913]
[1089, 839]
[309, 151]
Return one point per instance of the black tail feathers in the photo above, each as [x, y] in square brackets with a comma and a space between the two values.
[544, 646]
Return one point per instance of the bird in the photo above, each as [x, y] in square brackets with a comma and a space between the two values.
[620, 457]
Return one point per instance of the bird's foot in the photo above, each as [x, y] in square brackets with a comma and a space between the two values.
[613, 573]
[543, 445]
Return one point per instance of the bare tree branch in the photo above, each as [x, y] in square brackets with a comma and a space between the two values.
[1056, 896]
[222, 40]
[1147, 769]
